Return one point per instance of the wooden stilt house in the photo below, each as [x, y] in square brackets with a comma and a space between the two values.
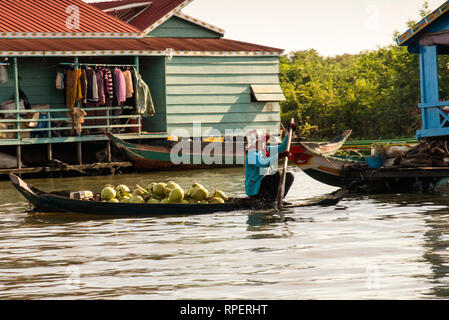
[194, 75]
[429, 39]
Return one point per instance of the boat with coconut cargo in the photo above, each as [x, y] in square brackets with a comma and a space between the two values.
[91, 204]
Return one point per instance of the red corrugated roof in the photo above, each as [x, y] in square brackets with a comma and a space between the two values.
[205, 44]
[149, 16]
[146, 44]
[52, 16]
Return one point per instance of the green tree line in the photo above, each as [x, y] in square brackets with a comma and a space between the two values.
[375, 93]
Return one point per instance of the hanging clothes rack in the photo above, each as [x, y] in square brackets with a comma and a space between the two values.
[97, 64]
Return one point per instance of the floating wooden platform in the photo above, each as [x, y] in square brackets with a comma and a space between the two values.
[355, 172]
[393, 179]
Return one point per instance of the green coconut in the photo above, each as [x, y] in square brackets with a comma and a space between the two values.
[216, 200]
[114, 200]
[159, 190]
[151, 186]
[165, 201]
[221, 194]
[176, 195]
[122, 189]
[137, 199]
[199, 193]
[153, 201]
[193, 187]
[172, 185]
[125, 200]
[108, 193]
[197, 185]
[138, 192]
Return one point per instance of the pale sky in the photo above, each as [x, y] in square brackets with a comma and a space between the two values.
[329, 26]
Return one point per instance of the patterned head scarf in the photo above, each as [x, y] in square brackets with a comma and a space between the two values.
[253, 137]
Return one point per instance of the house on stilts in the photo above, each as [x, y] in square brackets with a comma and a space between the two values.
[194, 75]
[429, 38]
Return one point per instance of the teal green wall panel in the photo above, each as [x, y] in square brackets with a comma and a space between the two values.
[153, 73]
[224, 79]
[183, 118]
[224, 108]
[208, 99]
[192, 89]
[37, 80]
[238, 128]
[179, 28]
[223, 69]
[216, 91]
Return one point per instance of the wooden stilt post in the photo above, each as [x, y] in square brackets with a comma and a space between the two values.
[80, 153]
[108, 147]
[19, 156]
[50, 152]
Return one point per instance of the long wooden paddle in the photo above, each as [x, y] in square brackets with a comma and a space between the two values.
[281, 189]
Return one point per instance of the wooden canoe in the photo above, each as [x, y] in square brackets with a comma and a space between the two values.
[61, 202]
[321, 167]
[154, 156]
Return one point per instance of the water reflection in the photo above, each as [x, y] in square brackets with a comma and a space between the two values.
[367, 247]
[436, 252]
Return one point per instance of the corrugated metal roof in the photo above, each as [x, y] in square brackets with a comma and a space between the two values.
[9, 47]
[205, 44]
[52, 16]
[157, 13]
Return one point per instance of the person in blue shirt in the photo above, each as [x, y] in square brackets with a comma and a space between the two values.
[261, 175]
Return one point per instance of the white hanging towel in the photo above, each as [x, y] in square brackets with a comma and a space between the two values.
[3, 74]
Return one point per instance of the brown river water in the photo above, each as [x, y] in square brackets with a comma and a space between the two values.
[366, 247]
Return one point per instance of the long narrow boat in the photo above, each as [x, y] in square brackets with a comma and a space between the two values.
[159, 156]
[324, 168]
[61, 202]
[156, 156]
[356, 176]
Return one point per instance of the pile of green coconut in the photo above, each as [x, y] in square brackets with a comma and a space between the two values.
[162, 193]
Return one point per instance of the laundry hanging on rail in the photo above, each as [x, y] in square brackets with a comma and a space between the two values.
[4, 78]
[73, 87]
[73, 95]
[129, 86]
[60, 81]
[97, 86]
[144, 101]
[120, 86]
[92, 85]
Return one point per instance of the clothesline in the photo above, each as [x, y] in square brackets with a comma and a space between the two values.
[97, 64]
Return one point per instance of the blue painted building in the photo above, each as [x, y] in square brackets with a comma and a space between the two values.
[430, 38]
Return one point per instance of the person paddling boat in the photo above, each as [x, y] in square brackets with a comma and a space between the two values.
[261, 175]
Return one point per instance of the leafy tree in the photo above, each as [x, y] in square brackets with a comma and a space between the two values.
[375, 93]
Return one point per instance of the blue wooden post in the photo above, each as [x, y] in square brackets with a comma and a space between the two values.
[430, 96]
